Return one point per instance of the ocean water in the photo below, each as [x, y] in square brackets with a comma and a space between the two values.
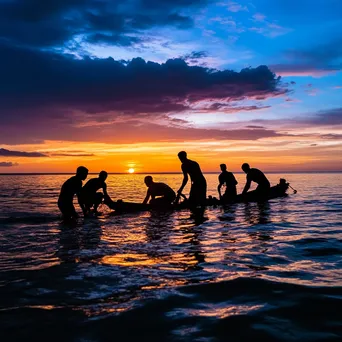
[270, 272]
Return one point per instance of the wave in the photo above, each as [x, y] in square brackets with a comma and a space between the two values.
[242, 309]
[30, 219]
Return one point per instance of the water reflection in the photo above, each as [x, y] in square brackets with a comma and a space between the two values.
[158, 226]
[197, 215]
[79, 238]
[257, 213]
[228, 219]
[193, 252]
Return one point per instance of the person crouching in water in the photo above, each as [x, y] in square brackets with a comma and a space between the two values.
[257, 176]
[90, 196]
[229, 180]
[161, 193]
[71, 187]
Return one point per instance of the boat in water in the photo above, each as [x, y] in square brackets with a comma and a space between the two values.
[277, 191]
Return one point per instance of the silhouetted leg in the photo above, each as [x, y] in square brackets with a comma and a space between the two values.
[198, 194]
[98, 200]
[68, 211]
[229, 195]
[262, 193]
[197, 201]
[86, 202]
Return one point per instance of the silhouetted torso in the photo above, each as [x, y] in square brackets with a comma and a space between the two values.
[228, 178]
[258, 177]
[71, 187]
[198, 191]
[93, 185]
[161, 189]
[193, 169]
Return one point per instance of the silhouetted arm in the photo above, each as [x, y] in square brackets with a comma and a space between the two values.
[185, 180]
[247, 186]
[220, 186]
[80, 202]
[148, 195]
[235, 181]
[105, 190]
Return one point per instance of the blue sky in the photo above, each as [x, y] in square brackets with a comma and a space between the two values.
[291, 37]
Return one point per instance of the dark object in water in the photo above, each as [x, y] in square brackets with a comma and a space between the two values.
[276, 191]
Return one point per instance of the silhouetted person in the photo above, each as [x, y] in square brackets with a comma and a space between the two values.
[198, 191]
[90, 196]
[71, 187]
[161, 193]
[227, 178]
[255, 175]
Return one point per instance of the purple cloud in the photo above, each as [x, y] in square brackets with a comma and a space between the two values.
[8, 153]
[70, 91]
[8, 164]
[72, 154]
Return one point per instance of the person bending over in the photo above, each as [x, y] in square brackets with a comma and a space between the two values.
[198, 191]
[90, 196]
[71, 187]
[160, 193]
[255, 175]
[227, 178]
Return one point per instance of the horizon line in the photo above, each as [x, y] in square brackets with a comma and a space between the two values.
[155, 173]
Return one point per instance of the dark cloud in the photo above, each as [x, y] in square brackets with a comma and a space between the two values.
[102, 21]
[8, 164]
[228, 108]
[304, 70]
[7, 153]
[45, 95]
[100, 85]
[332, 136]
[255, 127]
[330, 117]
[323, 54]
[72, 154]
[318, 60]
[195, 57]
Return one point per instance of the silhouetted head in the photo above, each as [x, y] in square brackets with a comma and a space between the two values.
[223, 167]
[245, 167]
[103, 175]
[82, 172]
[148, 180]
[182, 155]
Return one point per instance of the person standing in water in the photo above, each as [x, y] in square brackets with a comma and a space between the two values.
[71, 187]
[198, 191]
[161, 193]
[90, 196]
[227, 178]
[255, 175]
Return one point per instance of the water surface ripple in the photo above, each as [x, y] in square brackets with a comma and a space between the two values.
[271, 271]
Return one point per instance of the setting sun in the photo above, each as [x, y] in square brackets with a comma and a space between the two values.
[131, 170]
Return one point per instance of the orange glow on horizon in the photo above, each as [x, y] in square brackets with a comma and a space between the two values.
[270, 155]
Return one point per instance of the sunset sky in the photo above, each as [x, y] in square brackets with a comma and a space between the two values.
[126, 84]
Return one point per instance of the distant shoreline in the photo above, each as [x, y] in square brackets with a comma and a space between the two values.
[154, 173]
